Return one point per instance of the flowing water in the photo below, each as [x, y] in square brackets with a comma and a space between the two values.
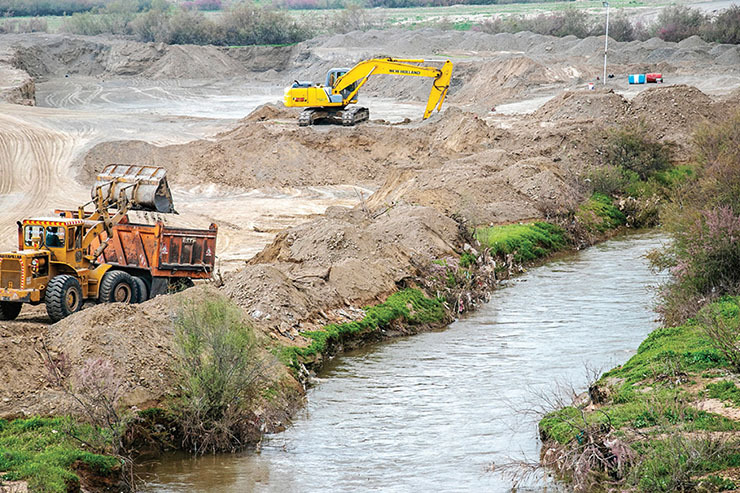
[433, 411]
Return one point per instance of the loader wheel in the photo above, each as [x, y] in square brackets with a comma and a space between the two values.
[9, 310]
[117, 286]
[142, 290]
[63, 297]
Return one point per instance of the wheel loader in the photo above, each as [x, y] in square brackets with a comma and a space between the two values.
[98, 254]
[331, 101]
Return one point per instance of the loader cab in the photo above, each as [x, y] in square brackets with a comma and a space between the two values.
[62, 237]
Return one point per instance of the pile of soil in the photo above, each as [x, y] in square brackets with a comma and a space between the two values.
[344, 260]
[673, 112]
[583, 105]
[136, 339]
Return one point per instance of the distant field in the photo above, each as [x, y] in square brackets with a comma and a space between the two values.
[464, 16]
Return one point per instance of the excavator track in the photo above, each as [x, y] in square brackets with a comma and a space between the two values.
[306, 117]
[354, 115]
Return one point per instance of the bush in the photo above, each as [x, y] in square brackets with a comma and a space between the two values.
[35, 25]
[633, 148]
[678, 22]
[705, 264]
[725, 28]
[221, 370]
[722, 325]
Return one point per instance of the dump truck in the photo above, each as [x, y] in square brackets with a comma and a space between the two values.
[99, 255]
[331, 101]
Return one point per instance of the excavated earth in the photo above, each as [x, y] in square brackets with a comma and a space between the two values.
[308, 266]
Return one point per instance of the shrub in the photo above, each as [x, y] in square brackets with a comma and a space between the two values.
[705, 264]
[677, 22]
[221, 370]
[724, 28]
[35, 25]
[632, 148]
[722, 325]
[599, 214]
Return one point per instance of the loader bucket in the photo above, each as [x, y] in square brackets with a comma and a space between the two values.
[145, 186]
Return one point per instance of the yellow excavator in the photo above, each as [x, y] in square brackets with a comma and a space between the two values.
[330, 102]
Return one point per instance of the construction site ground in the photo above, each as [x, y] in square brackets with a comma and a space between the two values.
[315, 222]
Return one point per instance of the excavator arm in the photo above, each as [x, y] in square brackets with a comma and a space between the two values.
[360, 73]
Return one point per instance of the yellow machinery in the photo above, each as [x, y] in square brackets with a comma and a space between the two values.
[55, 262]
[330, 101]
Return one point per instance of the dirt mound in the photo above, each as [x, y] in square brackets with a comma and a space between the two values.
[347, 258]
[194, 62]
[484, 190]
[506, 78]
[137, 339]
[270, 111]
[259, 154]
[584, 105]
[672, 111]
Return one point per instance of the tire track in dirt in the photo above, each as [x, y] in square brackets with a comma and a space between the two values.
[35, 164]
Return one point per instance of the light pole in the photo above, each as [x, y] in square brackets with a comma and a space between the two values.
[606, 38]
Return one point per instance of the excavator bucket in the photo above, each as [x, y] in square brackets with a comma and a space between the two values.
[144, 186]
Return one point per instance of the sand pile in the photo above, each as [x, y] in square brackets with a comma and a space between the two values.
[347, 258]
[672, 112]
[260, 153]
[584, 105]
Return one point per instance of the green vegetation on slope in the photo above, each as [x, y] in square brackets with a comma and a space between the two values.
[43, 452]
[409, 306]
[646, 405]
[526, 242]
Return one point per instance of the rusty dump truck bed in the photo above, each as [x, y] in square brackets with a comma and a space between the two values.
[162, 250]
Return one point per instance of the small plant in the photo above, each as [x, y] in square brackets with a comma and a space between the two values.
[722, 325]
[221, 370]
[599, 214]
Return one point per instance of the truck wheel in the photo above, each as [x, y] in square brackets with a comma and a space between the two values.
[117, 286]
[63, 297]
[142, 290]
[9, 310]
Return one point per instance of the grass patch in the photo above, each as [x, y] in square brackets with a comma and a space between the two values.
[725, 391]
[39, 451]
[686, 348]
[599, 214]
[525, 241]
[408, 305]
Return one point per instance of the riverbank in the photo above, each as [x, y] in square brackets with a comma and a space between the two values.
[430, 394]
[666, 420]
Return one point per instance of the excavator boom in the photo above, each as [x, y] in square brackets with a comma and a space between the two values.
[342, 85]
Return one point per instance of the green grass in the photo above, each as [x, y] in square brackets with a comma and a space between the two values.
[408, 305]
[725, 391]
[525, 241]
[599, 214]
[686, 347]
[39, 451]
[652, 400]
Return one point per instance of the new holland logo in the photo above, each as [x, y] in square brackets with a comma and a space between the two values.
[409, 72]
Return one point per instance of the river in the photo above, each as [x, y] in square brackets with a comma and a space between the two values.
[433, 411]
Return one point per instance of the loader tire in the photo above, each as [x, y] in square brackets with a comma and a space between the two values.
[63, 297]
[142, 290]
[117, 286]
[9, 310]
